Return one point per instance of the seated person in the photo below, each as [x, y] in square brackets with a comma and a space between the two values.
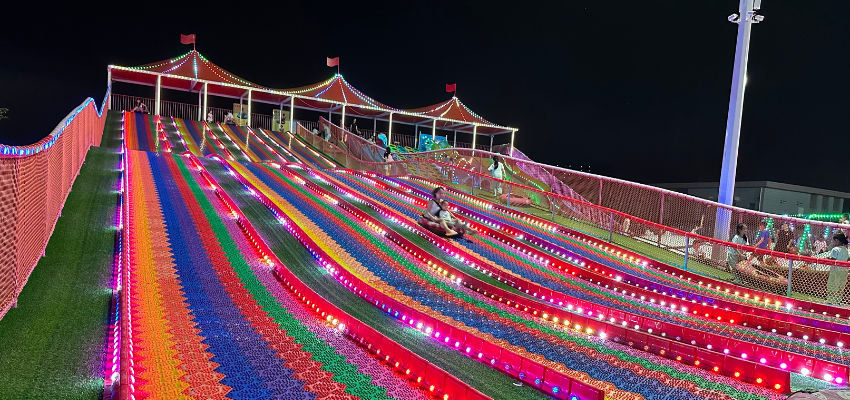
[229, 120]
[450, 223]
[446, 218]
[140, 107]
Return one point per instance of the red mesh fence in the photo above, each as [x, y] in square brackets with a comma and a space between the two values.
[808, 276]
[674, 229]
[34, 182]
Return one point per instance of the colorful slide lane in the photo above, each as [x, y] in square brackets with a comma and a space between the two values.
[352, 245]
[140, 131]
[303, 264]
[209, 321]
[193, 133]
[492, 250]
[563, 282]
[269, 141]
[305, 152]
[218, 132]
[176, 141]
[240, 137]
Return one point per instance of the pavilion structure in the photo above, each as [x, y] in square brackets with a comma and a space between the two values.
[192, 72]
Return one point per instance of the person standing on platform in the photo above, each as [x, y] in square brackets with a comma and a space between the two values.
[837, 275]
[764, 239]
[784, 238]
[497, 169]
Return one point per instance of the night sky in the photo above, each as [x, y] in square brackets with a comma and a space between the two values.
[638, 90]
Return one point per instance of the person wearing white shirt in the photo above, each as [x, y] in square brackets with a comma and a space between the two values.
[837, 275]
[497, 169]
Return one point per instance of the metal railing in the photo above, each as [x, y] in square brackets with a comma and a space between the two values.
[182, 110]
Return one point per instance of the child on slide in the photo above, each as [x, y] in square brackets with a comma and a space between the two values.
[449, 222]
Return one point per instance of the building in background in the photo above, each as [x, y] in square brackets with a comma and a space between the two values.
[771, 197]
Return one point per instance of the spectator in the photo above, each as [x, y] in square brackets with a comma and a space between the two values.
[388, 158]
[497, 168]
[140, 107]
[696, 242]
[764, 239]
[733, 254]
[784, 238]
[837, 275]
[210, 117]
[819, 246]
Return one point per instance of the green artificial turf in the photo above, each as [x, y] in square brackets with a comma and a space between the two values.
[112, 130]
[51, 345]
[302, 264]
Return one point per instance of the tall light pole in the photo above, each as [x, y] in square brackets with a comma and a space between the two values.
[745, 17]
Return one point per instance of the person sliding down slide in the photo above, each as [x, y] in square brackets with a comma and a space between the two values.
[452, 224]
[431, 220]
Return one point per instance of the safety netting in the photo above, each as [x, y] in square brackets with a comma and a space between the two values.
[34, 182]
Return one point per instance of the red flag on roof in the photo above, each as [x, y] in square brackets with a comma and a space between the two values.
[451, 88]
[333, 62]
[187, 39]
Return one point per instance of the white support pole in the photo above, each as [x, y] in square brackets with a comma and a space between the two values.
[474, 131]
[249, 107]
[330, 114]
[390, 131]
[726, 195]
[200, 106]
[375, 127]
[434, 130]
[292, 114]
[108, 84]
[513, 133]
[455, 132]
[205, 100]
[158, 87]
[491, 143]
[342, 121]
[416, 137]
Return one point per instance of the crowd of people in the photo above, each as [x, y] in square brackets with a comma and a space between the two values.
[784, 241]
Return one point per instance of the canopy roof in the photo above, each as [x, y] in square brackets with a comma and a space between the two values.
[452, 114]
[334, 92]
[191, 71]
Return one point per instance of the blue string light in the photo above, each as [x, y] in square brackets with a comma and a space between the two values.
[29, 150]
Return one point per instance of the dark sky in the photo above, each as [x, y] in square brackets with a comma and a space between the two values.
[639, 90]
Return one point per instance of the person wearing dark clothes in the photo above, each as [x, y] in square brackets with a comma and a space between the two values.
[784, 238]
